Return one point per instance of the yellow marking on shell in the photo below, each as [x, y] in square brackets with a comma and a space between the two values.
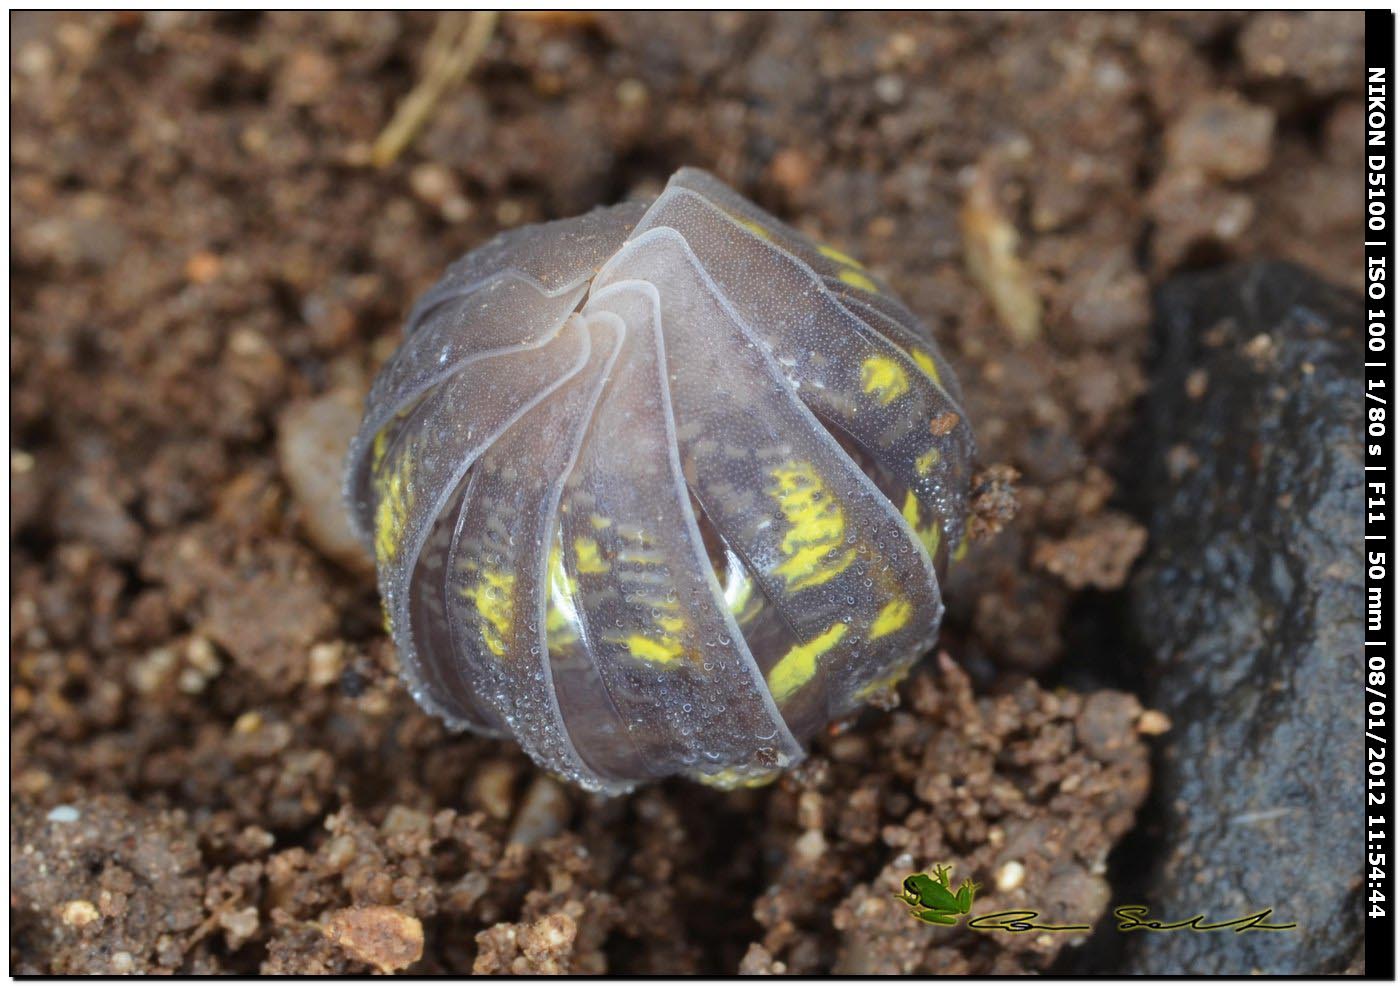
[858, 280]
[799, 665]
[887, 683]
[750, 611]
[731, 778]
[492, 598]
[739, 597]
[738, 588]
[599, 523]
[558, 630]
[924, 464]
[831, 253]
[658, 650]
[960, 552]
[394, 501]
[911, 509]
[560, 618]
[926, 364]
[816, 527]
[883, 379]
[587, 558]
[754, 228]
[894, 616]
[381, 445]
[928, 536]
[559, 582]
[644, 558]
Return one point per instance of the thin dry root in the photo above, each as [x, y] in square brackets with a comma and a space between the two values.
[456, 43]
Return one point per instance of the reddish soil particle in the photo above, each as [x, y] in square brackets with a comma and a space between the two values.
[198, 670]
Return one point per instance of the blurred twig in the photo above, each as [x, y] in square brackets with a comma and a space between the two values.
[991, 246]
[456, 43]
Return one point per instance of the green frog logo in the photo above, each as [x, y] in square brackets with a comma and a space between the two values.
[932, 900]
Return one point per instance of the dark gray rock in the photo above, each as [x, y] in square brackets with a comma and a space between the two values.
[1250, 603]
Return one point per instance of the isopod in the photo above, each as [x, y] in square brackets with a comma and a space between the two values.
[661, 489]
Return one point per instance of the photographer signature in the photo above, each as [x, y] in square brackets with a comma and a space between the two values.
[1131, 917]
[931, 898]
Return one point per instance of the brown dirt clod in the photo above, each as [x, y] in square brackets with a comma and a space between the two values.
[382, 937]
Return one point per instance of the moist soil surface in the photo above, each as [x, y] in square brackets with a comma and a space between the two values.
[214, 767]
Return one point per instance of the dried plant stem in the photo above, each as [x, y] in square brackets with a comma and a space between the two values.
[456, 43]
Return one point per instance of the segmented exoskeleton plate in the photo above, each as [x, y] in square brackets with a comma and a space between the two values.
[660, 489]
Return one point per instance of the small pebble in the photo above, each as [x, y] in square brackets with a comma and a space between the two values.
[201, 656]
[79, 913]
[437, 186]
[1260, 350]
[64, 814]
[1011, 875]
[203, 267]
[325, 664]
[1197, 381]
[1153, 723]
[339, 853]
[493, 788]
[792, 171]
[402, 820]
[509, 213]
[312, 438]
[543, 812]
[889, 89]
[151, 672]
[239, 926]
[631, 94]
[463, 895]
[810, 846]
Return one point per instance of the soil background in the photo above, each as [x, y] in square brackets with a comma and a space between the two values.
[213, 766]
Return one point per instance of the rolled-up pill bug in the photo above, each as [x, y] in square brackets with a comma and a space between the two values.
[661, 489]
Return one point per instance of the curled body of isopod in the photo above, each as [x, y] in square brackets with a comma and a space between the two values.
[661, 489]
